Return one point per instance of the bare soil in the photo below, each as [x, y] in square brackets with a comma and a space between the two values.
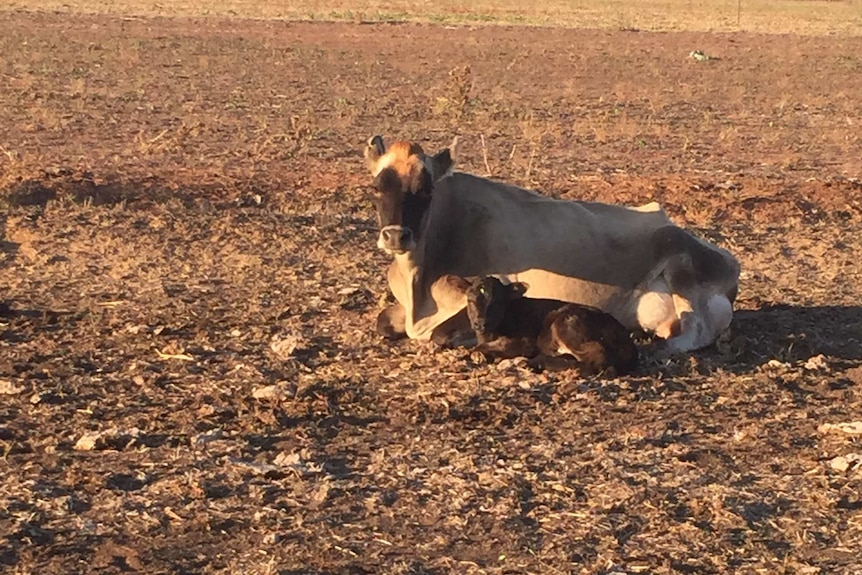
[189, 375]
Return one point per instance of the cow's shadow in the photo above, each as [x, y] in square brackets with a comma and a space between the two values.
[789, 333]
[8, 251]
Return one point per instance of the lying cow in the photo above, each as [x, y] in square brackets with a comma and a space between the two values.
[508, 325]
[630, 262]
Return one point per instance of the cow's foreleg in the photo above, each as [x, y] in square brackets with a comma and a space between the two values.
[455, 332]
[444, 298]
[392, 322]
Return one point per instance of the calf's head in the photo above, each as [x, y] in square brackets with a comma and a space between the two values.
[404, 177]
[487, 301]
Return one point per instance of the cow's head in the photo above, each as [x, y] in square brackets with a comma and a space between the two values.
[404, 177]
[487, 301]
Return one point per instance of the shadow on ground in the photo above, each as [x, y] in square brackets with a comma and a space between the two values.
[788, 332]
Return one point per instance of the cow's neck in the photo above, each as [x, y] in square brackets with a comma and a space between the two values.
[421, 280]
[403, 276]
[428, 300]
[408, 265]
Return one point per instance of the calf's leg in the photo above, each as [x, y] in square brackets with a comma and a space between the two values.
[508, 347]
[545, 362]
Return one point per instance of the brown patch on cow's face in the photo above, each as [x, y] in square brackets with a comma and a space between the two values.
[404, 179]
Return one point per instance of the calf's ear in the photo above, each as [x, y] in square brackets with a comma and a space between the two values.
[518, 289]
[374, 148]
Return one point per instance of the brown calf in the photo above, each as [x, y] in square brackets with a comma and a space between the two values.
[508, 325]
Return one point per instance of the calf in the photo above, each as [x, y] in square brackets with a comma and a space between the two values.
[509, 325]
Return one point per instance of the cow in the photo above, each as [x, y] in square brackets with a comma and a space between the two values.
[439, 225]
[508, 325]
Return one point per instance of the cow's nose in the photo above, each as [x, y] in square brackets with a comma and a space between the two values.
[396, 236]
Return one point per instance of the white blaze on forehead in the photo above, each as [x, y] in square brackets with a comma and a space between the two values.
[382, 163]
[400, 156]
[403, 156]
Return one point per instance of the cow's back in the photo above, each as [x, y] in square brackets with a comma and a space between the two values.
[582, 252]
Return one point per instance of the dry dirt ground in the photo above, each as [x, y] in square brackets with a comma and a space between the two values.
[189, 378]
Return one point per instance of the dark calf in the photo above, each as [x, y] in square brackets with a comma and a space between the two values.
[508, 325]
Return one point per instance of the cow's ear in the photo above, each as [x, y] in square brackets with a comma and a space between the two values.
[374, 148]
[443, 162]
[518, 289]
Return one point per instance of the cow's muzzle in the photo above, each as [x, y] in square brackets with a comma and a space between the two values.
[396, 239]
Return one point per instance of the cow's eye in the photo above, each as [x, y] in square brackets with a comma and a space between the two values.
[482, 290]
